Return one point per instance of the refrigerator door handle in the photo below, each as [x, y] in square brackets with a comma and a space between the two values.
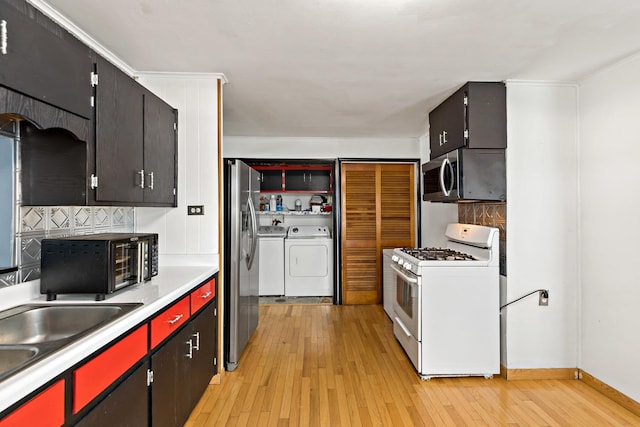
[254, 232]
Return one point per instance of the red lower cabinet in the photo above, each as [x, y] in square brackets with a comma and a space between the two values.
[201, 296]
[44, 410]
[97, 374]
[169, 321]
[126, 405]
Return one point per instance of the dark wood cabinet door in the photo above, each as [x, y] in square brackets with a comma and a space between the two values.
[270, 179]
[126, 405]
[473, 117]
[296, 180]
[204, 327]
[160, 151]
[487, 115]
[448, 133]
[119, 135]
[170, 403]
[319, 180]
[43, 60]
[311, 179]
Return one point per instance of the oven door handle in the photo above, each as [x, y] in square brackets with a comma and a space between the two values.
[404, 275]
[404, 328]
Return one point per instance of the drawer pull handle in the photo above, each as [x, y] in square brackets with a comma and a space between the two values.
[3, 37]
[197, 344]
[175, 319]
[190, 354]
[205, 296]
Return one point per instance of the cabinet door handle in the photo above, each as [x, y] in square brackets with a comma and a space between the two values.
[151, 180]
[175, 319]
[197, 337]
[205, 296]
[444, 136]
[141, 173]
[3, 37]
[190, 354]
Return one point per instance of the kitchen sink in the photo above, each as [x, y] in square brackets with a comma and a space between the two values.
[53, 323]
[31, 332]
[14, 356]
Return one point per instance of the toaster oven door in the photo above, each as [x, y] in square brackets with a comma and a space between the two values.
[127, 262]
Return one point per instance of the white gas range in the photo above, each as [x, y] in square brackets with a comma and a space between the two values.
[447, 303]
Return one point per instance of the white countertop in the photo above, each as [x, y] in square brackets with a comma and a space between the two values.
[172, 281]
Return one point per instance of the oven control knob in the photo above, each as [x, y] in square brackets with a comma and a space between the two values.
[395, 258]
[400, 262]
[407, 266]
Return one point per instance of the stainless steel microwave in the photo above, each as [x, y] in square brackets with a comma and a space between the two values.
[466, 174]
[97, 264]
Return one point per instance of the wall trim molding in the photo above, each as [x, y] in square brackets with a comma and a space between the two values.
[183, 75]
[572, 374]
[82, 35]
[613, 394]
[541, 374]
[87, 39]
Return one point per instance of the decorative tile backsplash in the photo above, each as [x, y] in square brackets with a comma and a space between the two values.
[37, 223]
[490, 215]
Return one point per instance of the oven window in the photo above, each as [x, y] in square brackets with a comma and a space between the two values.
[404, 296]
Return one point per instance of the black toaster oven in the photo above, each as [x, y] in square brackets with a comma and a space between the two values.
[97, 264]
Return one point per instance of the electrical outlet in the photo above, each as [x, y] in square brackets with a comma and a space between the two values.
[195, 210]
[543, 298]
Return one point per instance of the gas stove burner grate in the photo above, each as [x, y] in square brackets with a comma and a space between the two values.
[437, 254]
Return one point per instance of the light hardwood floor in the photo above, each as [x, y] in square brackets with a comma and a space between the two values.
[320, 365]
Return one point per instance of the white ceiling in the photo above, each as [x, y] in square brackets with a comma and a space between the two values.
[365, 68]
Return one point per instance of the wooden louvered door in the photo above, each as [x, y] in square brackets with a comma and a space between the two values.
[378, 212]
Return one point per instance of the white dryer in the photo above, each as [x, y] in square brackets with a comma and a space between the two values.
[308, 261]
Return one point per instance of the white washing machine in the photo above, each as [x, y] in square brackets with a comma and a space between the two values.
[308, 261]
[271, 252]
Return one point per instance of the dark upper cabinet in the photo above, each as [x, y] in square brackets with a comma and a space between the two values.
[295, 178]
[119, 146]
[136, 145]
[271, 179]
[474, 117]
[40, 59]
[160, 139]
[53, 167]
[316, 179]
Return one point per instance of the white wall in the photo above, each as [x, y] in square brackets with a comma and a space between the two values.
[319, 148]
[196, 98]
[542, 225]
[610, 201]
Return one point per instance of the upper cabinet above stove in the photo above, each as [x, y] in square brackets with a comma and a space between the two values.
[475, 116]
[40, 59]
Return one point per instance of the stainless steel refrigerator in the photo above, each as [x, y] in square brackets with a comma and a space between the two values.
[242, 184]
